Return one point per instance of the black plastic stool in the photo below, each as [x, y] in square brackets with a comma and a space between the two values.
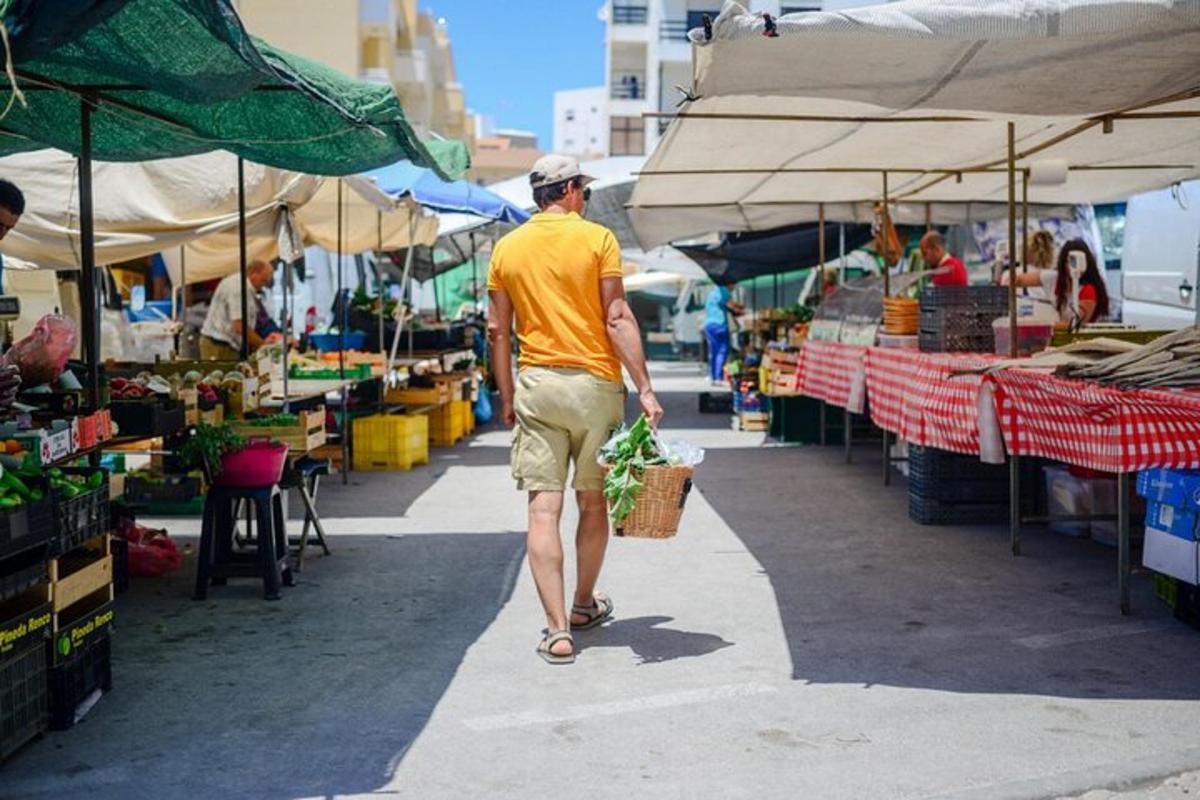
[217, 561]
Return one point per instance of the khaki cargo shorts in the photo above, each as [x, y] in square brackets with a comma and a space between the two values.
[563, 415]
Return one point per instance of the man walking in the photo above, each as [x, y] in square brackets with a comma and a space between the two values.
[561, 277]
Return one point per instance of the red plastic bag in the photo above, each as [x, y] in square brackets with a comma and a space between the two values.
[151, 552]
[42, 355]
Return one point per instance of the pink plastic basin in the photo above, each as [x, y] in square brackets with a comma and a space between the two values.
[259, 464]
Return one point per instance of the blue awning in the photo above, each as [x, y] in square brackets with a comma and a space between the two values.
[424, 186]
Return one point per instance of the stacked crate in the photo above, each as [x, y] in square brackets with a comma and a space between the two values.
[958, 319]
[448, 423]
[948, 488]
[385, 442]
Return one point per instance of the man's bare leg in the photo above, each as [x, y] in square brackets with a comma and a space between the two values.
[591, 542]
[546, 560]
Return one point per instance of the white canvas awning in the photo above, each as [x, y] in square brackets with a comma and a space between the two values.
[190, 203]
[925, 92]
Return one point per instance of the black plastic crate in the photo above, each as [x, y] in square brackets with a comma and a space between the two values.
[74, 680]
[931, 464]
[154, 416]
[932, 512]
[23, 697]
[957, 492]
[29, 526]
[79, 518]
[120, 557]
[952, 341]
[971, 296]
[716, 403]
[25, 620]
[20, 572]
[1187, 603]
[171, 489]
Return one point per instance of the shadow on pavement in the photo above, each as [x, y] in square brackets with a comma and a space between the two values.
[319, 694]
[649, 642]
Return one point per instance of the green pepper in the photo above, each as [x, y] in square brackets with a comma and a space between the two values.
[37, 495]
[70, 490]
[96, 481]
[14, 484]
[54, 472]
[8, 503]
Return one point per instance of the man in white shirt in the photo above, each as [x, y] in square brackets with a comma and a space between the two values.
[221, 336]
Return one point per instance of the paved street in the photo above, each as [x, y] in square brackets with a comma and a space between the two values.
[800, 638]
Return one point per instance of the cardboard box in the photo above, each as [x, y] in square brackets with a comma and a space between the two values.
[1175, 521]
[1166, 553]
[1174, 487]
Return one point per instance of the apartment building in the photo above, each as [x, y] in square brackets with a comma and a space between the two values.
[503, 153]
[647, 56]
[389, 41]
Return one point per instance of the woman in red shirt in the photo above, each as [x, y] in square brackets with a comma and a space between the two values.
[1093, 294]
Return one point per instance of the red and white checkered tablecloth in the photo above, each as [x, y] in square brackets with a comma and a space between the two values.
[917, 396]
[833, 372]
[1094, 426]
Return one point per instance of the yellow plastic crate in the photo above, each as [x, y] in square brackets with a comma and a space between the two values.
[470, 412]
[390, 442]
[448, 424]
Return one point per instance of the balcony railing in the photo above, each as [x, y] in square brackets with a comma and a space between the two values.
[629, 15]
[628, 86]
[674, 30]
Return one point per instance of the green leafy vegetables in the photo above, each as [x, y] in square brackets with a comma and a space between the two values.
[628, 454]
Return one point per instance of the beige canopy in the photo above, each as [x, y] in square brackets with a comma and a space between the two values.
[190, 205]
[924, 91]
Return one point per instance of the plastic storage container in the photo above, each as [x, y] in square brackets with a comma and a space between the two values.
[330, 342]
[448, 423]
[1033, 336]
[390, 442]
[23, 690]
[79, 518]
[259, 464]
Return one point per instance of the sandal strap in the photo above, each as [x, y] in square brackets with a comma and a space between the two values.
[601, 606]
[554, 637]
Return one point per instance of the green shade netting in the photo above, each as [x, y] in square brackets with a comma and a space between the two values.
[179, 77]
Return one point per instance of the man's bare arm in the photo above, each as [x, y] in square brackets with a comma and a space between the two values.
[500, 316]
[627, 341]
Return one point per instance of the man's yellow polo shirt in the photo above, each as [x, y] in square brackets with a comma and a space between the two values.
[551, 267]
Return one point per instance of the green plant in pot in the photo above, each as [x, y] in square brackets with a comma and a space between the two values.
[207, 444]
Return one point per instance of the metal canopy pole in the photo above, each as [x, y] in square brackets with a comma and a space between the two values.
[474, 274]
[243, 266]
[88, 306]
[1014, 460]
[886, 238]
[379, 275]
[1123, 564]
[821, 252]
[1024, 220]
[343, 312]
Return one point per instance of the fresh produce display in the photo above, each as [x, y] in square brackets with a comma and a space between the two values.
[628, 453]
[147, 385]
[14, 492]
[274, 421]
[208, 443]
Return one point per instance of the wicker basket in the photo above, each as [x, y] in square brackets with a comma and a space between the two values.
[659, 505]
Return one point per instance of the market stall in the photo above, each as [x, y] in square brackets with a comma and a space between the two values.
[205, 85]
[806, 127]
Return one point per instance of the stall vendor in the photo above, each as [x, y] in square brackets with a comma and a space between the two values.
[948, 270]
[221, 336]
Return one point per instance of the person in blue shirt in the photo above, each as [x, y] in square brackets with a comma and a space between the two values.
[717, 309]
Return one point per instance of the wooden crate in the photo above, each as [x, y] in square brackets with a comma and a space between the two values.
[303, 437]
[214, 416]
[756, 421]
[81, 573]
[191, 405]
[436, 395]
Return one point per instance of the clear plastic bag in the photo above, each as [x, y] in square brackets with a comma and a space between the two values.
[42, 355]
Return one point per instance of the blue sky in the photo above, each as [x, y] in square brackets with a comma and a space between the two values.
[512, 55]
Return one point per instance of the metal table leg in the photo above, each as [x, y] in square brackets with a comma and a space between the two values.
[887, 458]
[821, 422]
[1014, 503]
[848, 421]
[1124, 569]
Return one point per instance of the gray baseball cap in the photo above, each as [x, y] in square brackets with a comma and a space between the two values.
[553, 169]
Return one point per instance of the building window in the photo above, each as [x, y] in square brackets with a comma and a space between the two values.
[627, 136]
[626, 13]
[569, 142]
[570, 115]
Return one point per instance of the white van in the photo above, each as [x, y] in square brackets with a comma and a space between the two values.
[1161, 257]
